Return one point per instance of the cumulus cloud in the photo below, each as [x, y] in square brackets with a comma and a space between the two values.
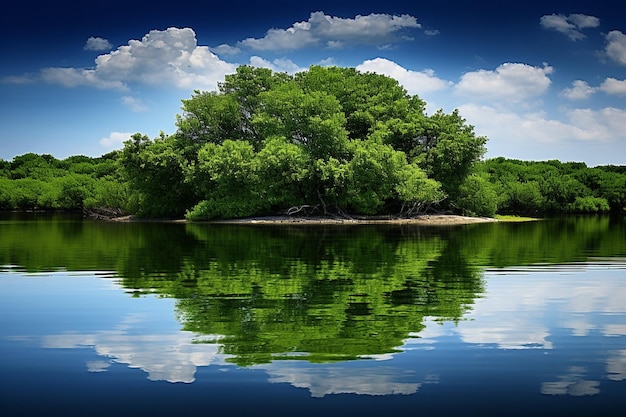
[97, 44]
[581, 89]
[569, 25]
[168, 57]
[614, 86]
[603, 125]
[522, 130]
[277, 65]
[616, 46]
[578, 91]
[511, 82]
[335, 32]
[115, 139]
[225, 49]
[415, 82]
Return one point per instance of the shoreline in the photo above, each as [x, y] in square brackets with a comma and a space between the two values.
[425, 220]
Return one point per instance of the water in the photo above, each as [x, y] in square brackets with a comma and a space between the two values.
[153, 318]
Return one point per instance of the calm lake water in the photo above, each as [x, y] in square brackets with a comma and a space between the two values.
[107, 319]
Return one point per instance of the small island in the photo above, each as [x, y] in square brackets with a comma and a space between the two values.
[327, 145]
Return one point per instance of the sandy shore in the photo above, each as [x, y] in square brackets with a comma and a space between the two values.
[427, 219]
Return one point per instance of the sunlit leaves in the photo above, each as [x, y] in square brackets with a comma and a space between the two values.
[348, 142]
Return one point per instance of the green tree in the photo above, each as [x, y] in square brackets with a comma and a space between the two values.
[332, 138]
[477, 197]
[283, 170]
[451, 150]
[313, 120]
[154, 169]
[226, 181]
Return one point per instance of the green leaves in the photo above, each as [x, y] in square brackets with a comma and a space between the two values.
[555, 187]
[330, 137]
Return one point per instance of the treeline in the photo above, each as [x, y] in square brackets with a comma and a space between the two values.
[530, 187]
[42, 182]
[32, 181]
[324, 141]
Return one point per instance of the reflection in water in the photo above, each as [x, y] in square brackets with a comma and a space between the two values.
[513, 314]
[616, 365]
[173, 358]
[382, 312]
[322, 380]
[572, 384]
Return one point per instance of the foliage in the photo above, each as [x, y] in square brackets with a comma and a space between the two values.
[327, 293]
[154, 171]
[331, 138]
[327, 140]
[477, 197]
[42, 182]
[555, 187]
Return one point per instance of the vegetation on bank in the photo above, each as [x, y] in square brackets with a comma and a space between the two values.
[324, 141]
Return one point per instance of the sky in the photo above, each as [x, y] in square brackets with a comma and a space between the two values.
[541, 80]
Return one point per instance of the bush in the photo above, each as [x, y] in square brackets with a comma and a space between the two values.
[477, 197]
[589, 205]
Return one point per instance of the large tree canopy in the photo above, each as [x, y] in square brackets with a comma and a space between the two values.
[334, 140]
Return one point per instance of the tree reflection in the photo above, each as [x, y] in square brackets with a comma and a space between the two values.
[319, 293]
[327, 294]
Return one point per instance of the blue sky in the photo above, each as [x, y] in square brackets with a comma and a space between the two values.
[541, 79]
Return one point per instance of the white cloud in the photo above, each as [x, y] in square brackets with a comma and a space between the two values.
[614, 86]
[97, 44]
[277, 65]
[582, 90]
[584, 21]
[569, 25]
[511, 82]
[115, 139]
[335, 32]
[328, 62]
[76, 77]
[19, 79]
[225, 49]
[578, 91]
[168, 57]
[616, 46]
[413, 81]
[431, 32]
[134, 104]
[533, 130]
[603, 125]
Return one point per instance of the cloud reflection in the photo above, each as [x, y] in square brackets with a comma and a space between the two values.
[170, 357]
[616, 366]
[327, 379]
[572, 384]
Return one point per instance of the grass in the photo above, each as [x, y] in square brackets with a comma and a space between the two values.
[513, 218]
